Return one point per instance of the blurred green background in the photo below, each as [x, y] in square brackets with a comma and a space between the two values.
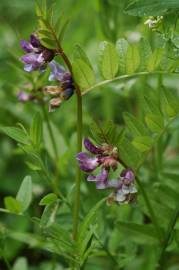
[91, 22]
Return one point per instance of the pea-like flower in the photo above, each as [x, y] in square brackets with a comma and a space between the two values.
[64, 90]
[37, 56]
[125, 190]
[104, 156]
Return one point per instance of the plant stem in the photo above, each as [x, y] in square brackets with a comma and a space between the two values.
[150, 209]
[79, 135]
[78, 171]
[169, 232]
[123, 77]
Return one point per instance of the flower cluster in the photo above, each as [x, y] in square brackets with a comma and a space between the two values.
[64, 90]
[106, 157]
[37, 56]
[125, 190]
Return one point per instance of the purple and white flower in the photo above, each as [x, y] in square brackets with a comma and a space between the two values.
[64, 90]
[125, 191]
[37, 56]
[104, 156]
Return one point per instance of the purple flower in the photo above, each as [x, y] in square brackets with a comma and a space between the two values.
[86, 162]
[37, 55]
[101, 179]
[104, 156]
[23, 96]
[65, 89]
[57, 71]
[125, 191]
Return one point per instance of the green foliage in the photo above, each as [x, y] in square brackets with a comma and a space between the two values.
[132, 59]
[24, 195]
[49, 214]
[136, 84]
[13, 205]
[140, 233]
[122, 48]
[36, 130]
[106, 132]
[23, 198]
[18, 134]
[152, 8]
[49, 198]
[108, 60]
[20, 263]
[83, 74]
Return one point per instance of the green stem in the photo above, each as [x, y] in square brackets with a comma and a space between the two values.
[150, 209]
[78, 171]
[65, 58]
[123, 77]
[167, 238]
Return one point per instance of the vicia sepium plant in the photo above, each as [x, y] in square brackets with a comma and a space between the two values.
[130, 162]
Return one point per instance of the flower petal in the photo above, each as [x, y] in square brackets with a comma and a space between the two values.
[57, 71]
[54, 103]
[67, 93]
[26, 46]
[34, 41]
[91, 147]
[127, 176]
[86, 162]
[120, 196]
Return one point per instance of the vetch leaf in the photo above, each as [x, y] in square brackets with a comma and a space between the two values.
[142, 143]
[155, 59]
[152, 7]
[128, 153]
[109, 62]
[122, 47]
[24, 195]
[49, 214]
[88, 220]
[16, 133]
[154, 122]
[132, 59]
[80, 54]
[169, 102]
[48, 43]
[49, 198]
[145, 53]
[83, 74]
[145, 234]
[135, 126]
[36, 130]
[59, 141]
[12, 205]
[63, 28]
